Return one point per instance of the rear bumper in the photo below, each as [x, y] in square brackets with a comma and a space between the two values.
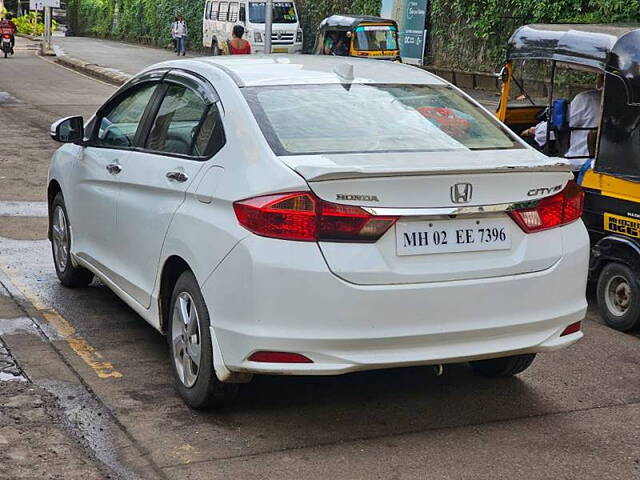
[290, 49]
[280, 296]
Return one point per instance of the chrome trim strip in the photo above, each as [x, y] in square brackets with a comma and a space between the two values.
[447, 211]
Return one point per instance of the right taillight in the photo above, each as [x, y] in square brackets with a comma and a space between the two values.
[559, 209]
[303, 216]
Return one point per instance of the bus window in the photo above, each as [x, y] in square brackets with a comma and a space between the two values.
[207, 11]
[214, 11]
[223, 11]
[233, 11]
[242, 16]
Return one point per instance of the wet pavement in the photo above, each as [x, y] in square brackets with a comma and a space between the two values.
[106, 376]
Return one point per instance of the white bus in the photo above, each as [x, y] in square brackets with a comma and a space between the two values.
[220, 17]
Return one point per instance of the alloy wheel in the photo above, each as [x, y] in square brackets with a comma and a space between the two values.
[618, 295]
[186, 338]
[60, 238]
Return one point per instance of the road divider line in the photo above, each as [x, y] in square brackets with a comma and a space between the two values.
[63, 328]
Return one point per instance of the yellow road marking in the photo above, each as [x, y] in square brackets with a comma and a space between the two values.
[63, 328]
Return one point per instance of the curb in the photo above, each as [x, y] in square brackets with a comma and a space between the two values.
[33, 38]
[101, 73]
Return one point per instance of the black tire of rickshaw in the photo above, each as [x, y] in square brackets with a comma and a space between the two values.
[630, 320]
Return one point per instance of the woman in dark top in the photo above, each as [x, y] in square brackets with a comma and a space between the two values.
[238, 45]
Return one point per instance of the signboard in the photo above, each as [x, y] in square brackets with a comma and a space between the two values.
[411, 16]
[36, 5]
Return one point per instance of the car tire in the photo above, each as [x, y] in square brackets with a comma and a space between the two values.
[190, 348]
[504, 366]
[619, 297]
[68, 274]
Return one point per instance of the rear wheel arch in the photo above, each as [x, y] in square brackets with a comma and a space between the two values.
[173, 267]
[614, 248]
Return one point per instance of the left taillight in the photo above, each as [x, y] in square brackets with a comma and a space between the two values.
[303, 216]
[559, 209]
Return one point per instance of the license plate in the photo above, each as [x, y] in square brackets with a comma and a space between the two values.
[280, 50]
[452, 236]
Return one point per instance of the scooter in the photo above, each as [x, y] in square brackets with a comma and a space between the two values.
[5, 44]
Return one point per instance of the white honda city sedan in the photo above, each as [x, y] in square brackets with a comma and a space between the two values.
[309, 215]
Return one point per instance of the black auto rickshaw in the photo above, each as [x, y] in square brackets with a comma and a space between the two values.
[358, 36]
[611, 176]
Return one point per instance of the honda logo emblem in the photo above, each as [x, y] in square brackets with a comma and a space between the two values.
[461, 192]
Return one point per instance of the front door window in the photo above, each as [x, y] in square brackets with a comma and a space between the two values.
[117, 129]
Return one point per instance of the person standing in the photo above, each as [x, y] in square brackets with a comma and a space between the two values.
[180, 32]
[238, 45]
[174, 41]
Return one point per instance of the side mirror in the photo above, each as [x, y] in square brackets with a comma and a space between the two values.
[503, 75]
[68, 130]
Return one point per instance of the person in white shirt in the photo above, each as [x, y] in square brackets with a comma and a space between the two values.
[179, 31]
[174, 41]
[584, 116]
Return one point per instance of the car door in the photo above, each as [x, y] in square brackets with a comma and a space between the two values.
[175, 145]
[95, 183]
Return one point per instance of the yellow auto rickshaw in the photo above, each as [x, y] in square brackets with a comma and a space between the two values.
[610, 176]
[358, 36]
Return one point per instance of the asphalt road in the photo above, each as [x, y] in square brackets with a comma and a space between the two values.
[574, 414]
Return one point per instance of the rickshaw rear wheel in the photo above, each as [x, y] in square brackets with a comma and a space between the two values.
[619, 297]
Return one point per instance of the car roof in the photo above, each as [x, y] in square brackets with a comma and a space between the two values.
[272, 70]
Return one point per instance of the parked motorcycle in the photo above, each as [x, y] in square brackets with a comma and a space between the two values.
[5, 44]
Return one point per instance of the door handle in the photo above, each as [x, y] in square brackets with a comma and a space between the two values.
[114, 168]
[177, 176]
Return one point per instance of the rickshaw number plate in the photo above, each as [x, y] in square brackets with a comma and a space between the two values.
[452, 236]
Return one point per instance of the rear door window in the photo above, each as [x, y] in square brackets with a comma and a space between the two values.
[185, 125]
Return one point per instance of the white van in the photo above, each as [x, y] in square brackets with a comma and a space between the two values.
[220, 17]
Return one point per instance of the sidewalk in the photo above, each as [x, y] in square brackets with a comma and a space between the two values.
[35, 441]
[120, 58]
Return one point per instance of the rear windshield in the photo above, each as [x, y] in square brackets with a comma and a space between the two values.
[360, 118]
[375, 38]
[283, 12]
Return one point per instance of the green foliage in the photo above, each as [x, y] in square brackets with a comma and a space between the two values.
[27, 24]
[148, 21]
[144, 21]
[472, 34]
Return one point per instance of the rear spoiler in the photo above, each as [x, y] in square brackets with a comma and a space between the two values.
[325, 173]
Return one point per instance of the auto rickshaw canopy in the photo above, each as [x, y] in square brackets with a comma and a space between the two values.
[347, 23]
[609, 48]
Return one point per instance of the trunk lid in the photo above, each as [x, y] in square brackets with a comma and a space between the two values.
[425, 190]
